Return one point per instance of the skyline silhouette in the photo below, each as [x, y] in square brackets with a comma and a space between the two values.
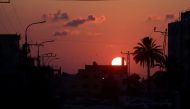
[91, 54]
[112, 32]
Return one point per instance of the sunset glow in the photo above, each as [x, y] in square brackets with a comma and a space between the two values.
[95, 54]
[87, 30]
[117, 61]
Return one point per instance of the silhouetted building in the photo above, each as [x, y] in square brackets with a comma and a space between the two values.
[178, 46]
[179, 56]
[9, 59]
[9, 53]
[97, 78]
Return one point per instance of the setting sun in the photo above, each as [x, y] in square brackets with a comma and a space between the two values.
[117, 61]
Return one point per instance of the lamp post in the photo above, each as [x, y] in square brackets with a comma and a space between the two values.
[25, 46]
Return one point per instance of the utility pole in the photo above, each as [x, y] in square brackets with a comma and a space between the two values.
[128, 67]
[128, 61]
[52, 60]
[164, 33]
[48, 55]
[38, 45]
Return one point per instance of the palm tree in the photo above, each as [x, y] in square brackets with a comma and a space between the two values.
[147, 52]
[163, 64]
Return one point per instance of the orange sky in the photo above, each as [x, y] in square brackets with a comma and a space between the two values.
[101, 29]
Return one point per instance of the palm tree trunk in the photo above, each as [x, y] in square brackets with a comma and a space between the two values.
[148, 78]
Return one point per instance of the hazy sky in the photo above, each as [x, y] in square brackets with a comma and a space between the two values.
[87, 31]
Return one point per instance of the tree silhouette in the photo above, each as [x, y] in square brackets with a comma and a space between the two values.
[147, 52]
[163, 64]
[134, 85]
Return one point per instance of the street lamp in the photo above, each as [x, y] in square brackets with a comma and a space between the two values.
[25, 46]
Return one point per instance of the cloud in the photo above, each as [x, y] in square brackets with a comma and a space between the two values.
[153, 18]
[171, 17]
[58, 16]
[167, 18]
[91, 18]
[61, 33]
[80, 21]
[75, 23]
[100, 19]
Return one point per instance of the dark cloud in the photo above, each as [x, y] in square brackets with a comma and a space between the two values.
[153, 18]
[91, 17]
[58, 16]
[156, 18]
[169, 17]
[77, 22]
[62, 33]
